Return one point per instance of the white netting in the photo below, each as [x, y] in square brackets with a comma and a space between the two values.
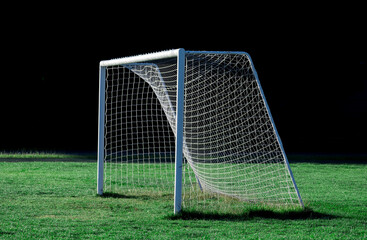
[139, 141]
[231, 150]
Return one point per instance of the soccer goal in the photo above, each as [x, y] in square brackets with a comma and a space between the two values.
[193, 126]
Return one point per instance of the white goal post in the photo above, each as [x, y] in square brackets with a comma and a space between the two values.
[194, 123]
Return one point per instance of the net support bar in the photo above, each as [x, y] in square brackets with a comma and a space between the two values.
[276, 132]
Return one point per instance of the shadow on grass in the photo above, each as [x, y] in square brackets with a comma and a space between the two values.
[6, 233]
[137, 196]
[116, 195]
[304, 214]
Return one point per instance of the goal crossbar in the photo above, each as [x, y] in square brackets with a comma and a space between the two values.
[157, 56]
[141, 58]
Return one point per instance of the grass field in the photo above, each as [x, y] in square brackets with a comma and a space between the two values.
[57, 199]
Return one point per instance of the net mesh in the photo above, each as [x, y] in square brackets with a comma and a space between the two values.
[231, 151]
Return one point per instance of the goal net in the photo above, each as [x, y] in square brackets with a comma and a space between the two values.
[231, 152]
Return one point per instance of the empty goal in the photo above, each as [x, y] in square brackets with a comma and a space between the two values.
[191, 125]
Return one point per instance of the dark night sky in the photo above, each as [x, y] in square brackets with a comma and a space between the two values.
[313, 70]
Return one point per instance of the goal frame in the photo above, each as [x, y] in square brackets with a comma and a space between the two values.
[179, 54]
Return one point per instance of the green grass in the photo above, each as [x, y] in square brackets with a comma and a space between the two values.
[45, 200]
[36, 155]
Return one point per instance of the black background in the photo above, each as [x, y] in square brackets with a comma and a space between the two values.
[311, 64]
